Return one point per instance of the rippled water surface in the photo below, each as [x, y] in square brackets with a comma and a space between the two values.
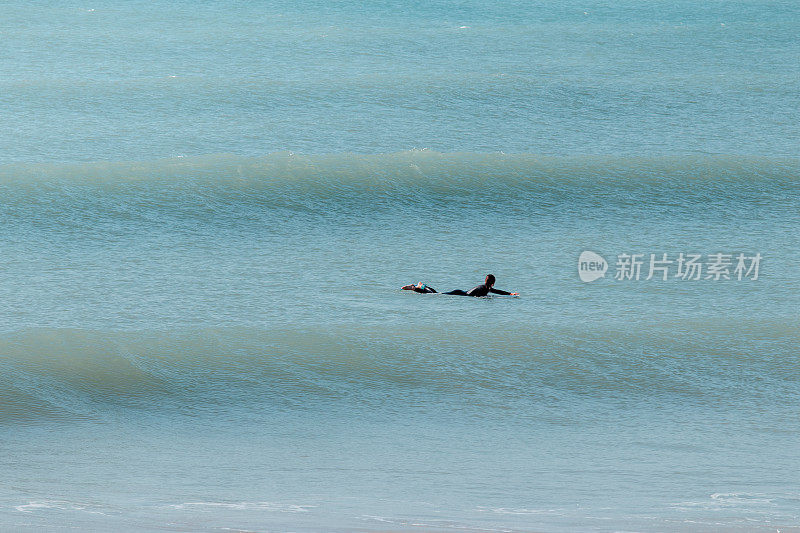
[206, 213]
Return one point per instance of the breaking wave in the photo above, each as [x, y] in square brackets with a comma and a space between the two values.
[84, 374]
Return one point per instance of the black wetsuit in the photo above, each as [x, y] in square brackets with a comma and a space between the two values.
[424, 290]
[480, 290]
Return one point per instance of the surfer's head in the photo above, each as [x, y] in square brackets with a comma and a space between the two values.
[489, 280]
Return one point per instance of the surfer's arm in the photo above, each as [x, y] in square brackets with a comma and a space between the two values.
[504, 293]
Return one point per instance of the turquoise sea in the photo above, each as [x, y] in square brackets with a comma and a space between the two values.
[207, 210]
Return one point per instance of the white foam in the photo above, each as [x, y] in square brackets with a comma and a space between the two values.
[246, 506]
[514, 511]
[55, 504]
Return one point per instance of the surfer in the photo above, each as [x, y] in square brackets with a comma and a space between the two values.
[480, 290]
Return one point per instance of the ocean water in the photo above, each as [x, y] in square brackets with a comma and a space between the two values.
[207, 210]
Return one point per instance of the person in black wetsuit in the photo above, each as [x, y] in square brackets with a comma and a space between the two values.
[480, 290]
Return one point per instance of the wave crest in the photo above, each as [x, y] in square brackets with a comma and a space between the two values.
[404, 168]
[86, 374]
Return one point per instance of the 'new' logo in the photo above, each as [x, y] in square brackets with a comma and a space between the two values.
[591, 266]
